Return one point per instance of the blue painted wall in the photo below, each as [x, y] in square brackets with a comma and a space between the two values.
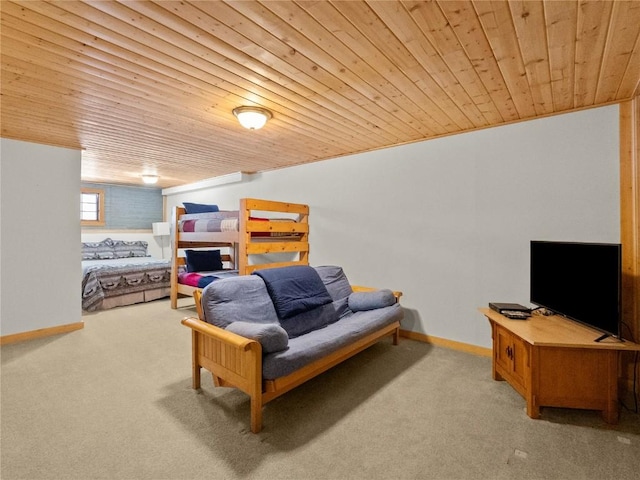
[129, 207]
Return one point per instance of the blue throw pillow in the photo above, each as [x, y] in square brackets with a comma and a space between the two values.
[199, 208]
[360, 301]
[203, 260]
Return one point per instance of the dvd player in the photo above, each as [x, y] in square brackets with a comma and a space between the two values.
[514, 307]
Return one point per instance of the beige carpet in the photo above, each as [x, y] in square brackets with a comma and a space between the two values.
[114, 401]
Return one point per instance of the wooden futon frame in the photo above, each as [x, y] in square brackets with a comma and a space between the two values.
[236, 361]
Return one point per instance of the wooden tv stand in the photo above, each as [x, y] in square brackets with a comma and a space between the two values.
[555, 362]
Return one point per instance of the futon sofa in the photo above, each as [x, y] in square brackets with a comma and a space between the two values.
[268, 332]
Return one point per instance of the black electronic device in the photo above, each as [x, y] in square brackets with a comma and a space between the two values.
[513, 307]
[579, 280]
[516, 314]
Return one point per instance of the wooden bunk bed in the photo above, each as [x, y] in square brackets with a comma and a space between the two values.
[264, 227]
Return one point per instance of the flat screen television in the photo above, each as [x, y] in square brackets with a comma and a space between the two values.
[581, 281]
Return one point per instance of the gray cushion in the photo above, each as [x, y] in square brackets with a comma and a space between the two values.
[237, 299]
[361, 301]
[322, 342]
[271, 336]
[338, 287]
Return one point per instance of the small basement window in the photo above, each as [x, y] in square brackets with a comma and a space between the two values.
[91, 207]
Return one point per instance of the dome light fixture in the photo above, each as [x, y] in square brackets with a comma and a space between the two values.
[150, 179]
[252, 118]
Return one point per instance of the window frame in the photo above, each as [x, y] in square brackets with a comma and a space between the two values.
[100, 222]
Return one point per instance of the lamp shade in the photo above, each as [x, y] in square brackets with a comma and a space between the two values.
[252, 118]
[161, 229]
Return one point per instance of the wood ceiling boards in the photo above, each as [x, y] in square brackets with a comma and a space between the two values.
[149, 86]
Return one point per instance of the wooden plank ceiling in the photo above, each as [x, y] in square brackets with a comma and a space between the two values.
[149, 86]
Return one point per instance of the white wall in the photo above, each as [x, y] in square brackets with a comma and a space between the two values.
[448, 221]
[40, 274]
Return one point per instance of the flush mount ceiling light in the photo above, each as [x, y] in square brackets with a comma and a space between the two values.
[252, 118]
[150, 179]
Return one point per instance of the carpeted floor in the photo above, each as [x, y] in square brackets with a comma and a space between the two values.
[114, 401]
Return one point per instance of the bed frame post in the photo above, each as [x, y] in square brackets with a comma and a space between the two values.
[243, 256]
[175, 215]
[303, 256]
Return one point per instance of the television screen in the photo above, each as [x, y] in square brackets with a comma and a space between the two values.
[581, 281]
